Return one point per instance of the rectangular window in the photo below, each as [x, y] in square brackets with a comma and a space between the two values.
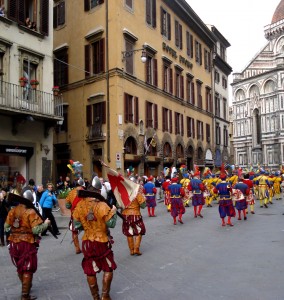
[129, 60]
[217, 105]
[225, 108]
[151, 115]
[189, 44]
[131, 109]
[217, 77]
[199, 94]
[151, 70]
[95, 57]
[178, 34]
[95, 118]
[207, 60]
[151, 13]
[224, 82]
[190, 90]
[225, 136]
[129, 3]
[198, 53]
[200, 135]
[179, 81]
[167, 78]
[89, 4]
[179, 129]
[208, 99]
[190, 127]
[218, 134]
[61, 67]
[59, 14]
[165, 24]
[167, 119]
[33, 14]
[208, 135]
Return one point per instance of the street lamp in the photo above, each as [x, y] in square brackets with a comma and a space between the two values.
[126, 54]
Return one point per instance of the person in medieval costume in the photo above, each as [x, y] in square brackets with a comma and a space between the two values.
[150, 191]
[240, 197]
[176, 195]
[133, 226]
[207, 181]
[277, 185]
[197, 188]
[251, 197]
[72, 200]
[187, 195]
[24, 225]
[167, 198]
[263, 185]
[95, 217]
[224, 190]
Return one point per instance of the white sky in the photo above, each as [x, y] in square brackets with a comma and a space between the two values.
[241, 22]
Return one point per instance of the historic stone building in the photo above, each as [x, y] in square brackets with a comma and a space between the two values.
[258, 102]
[130, 111]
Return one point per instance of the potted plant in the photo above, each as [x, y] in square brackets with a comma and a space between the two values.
[34, 83]
[23, 81]
[61, 198]
[55, 90]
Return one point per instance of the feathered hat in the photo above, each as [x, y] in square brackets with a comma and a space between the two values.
[196, 171]
[223, 174]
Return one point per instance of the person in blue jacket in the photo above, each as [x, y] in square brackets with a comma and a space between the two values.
[47, 201]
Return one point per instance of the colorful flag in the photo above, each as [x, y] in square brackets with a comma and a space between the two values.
[124, 189]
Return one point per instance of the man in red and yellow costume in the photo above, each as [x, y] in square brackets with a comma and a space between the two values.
[24, 225]
[95, 217]
[72, 200]
[133, 226]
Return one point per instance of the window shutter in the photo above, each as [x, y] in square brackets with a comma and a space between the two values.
[136, 111]
[176, 123]
[193, 128]
[126, 108]
[44, 17]
[66, 77]
[102, 55]
[202, 132]
[161, 15]
[171, 80]
[87, 61]
[156, 116]
[187, 127]
[61, 13]
[163, 119]
[154, 13]
[169, 26]
[89, 115]
[155, 65]
[191, 45]
[103, 113]
[147, 75]
[200, 54]
[176, 33]
[55, 16]
[87, 5]
[187, 44]
[21, 12]
[182, 128]
[192, 93]
[180, 36]
[148, 12]
[181, 87]
[13, 10]
[171, 121]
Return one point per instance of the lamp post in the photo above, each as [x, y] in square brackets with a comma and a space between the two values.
[126, 54]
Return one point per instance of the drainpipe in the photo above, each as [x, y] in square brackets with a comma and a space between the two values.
[107, 80]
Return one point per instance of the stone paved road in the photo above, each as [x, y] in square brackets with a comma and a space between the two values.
[199, 260]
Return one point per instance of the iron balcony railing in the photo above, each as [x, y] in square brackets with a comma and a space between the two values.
[27, 100]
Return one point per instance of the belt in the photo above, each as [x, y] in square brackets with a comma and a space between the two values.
[149, 194]
[175, 196]
[225, 199]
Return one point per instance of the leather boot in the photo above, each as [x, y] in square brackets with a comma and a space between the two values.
[76, 243]
[2, 241]
[20, 275]
[94, 288]
[138, 239]
[107, 279]
[26, 287]
[130, 244]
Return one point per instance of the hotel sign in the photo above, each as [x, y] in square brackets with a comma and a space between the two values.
[17, 150]
[174, 54]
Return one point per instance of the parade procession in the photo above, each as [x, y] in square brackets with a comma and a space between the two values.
[96, 206]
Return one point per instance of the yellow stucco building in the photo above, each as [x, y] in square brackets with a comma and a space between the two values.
[129, 113]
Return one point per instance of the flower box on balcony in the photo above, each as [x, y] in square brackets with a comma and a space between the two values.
[34, 83]
[23, 81]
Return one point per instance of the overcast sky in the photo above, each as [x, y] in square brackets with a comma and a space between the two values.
[241, 22]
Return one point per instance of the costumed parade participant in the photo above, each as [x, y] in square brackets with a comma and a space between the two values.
[72, 200]
[207, 181]
[24, 223]
[263, 185]
[197, 188]
[271, 179]
[176, 194]
[150, 191]
[167, 198]
[240, 197]
[250, 197]
[224, 191]
[277, 185]
[94, 216]
[185, 182]
[133, 226]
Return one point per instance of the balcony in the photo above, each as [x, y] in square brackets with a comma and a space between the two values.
[96, 133]
[15, 100]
